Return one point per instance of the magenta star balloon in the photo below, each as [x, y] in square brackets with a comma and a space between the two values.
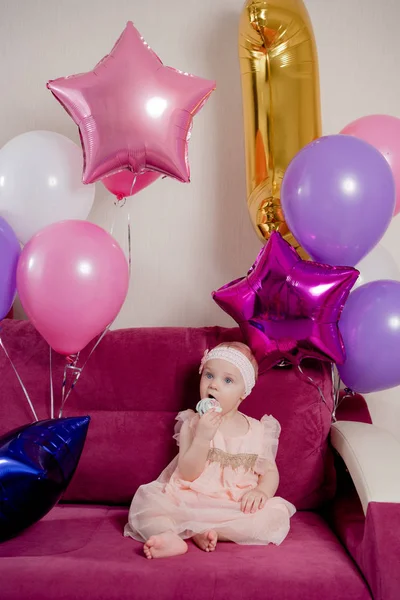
[285, 305]
[132, 111]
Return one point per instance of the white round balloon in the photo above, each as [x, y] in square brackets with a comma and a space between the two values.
[378, 264]
[41, 182]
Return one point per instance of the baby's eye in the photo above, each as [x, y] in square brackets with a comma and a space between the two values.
[209, 375]
[228, 380]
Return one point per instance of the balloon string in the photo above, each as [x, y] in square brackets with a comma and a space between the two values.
[314, 383]
[19, 380]
[64, 383]
[348, 393]
[78, 370]
[336, 391]
[120, 202]
[51, 386]
[71, 365]
[113, 222]
[133, 184]
[120, 199]
[129, 246]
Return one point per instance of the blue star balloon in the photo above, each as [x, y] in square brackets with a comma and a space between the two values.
[37, 462]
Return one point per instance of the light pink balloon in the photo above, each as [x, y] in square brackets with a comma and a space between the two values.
[132, 111]
[125, 183]
[382, 132]
[72, 280]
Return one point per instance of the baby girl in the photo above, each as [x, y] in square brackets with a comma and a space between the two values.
[222, 484]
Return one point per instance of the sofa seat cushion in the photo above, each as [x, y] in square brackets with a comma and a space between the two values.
[79, 552]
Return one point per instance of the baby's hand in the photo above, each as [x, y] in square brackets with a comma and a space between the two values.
[208, 425]
[253, 501]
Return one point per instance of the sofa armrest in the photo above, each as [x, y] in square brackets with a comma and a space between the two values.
[372, 456]
[369, 525]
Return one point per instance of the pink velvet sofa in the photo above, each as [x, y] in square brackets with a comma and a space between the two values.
[344, 541]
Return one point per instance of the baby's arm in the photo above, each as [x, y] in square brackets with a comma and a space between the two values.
[268, 483]
[193, 451]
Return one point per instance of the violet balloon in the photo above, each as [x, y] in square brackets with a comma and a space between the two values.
[72, 279]
[285, 302]
[9, 255]
[338, 198]
[132, 111]
[370, 326]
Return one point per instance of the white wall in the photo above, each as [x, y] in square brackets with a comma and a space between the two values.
[190, 239]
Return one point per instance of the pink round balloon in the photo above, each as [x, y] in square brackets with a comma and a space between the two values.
[125, 183]
[132, 111]
[72, 279]
[382, 132]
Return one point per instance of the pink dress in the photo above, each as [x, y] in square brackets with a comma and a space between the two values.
[212, 501]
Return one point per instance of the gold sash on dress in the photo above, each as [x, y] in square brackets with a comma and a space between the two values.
[247, 461]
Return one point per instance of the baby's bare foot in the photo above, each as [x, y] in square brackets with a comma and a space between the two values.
[206, 541]
[165, 544]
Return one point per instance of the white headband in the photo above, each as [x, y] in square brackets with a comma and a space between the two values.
[236, 358]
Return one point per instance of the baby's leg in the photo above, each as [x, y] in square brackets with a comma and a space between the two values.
[164, 544]
[161, 540]
[222, 538]
[206, 541]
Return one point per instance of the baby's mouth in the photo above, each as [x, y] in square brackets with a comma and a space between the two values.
[211, 396]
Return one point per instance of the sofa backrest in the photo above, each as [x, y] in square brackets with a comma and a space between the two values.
[133, 386]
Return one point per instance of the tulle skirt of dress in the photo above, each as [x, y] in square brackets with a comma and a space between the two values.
[157, 507]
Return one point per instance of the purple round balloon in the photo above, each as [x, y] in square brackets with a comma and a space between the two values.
[9, 255]
[370, 328]
[338, 197]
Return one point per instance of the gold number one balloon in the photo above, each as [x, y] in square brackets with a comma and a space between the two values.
[281, 102]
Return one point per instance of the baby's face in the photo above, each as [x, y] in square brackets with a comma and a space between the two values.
[222, 380]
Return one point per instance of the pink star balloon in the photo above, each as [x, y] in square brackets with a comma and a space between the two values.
[132, 111]
[287, 306]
